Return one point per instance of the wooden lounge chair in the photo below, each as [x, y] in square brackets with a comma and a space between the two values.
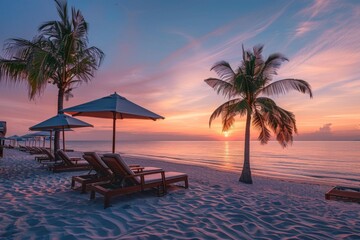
[22, 148]
[350, 194]
[126, 181]
[69, 164]
[102, 172]
[46, 156]
[34, 150]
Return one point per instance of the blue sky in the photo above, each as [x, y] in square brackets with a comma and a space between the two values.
[159, 52]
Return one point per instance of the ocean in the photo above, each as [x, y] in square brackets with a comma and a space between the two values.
[331, 163]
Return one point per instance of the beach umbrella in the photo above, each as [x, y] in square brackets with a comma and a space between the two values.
[27, 137]
[41, 134]
[14, 139]
[60, 122]
[114, 107]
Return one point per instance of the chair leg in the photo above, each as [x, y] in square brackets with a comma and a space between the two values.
[72, 183]
[158, 191]
[186, 183]
[161, 190]
[92, 194]
[106, 201]
[83, 188]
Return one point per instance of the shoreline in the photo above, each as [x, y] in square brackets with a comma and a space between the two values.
[39, 204]
[144, 159]
[321, 163]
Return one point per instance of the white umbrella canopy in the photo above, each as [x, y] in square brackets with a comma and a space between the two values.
[115, 107]
[60, 122]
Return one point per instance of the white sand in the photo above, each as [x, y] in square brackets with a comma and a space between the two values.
[38, 204]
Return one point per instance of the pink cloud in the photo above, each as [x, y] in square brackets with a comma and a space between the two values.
[306, 27]
[318, 7]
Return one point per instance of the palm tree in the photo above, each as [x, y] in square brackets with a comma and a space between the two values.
[247, 88]
[58, 55]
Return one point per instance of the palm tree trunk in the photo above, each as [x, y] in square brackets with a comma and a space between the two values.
[60, 108]
[246, 171]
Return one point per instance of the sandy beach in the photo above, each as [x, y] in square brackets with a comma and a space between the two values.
[39, 204]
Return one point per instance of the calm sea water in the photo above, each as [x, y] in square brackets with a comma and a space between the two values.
[334, 163]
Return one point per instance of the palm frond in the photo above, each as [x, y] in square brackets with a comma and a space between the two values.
[228, 115]
[62, 11]
[234, 106]
[266, 103]
[223, 70]
[13, 70]
[280, 121]
[259, 121]
[79, 24]
[273, 62]
[283, 86]
[227, 121]
[285, 125]
[266, 70]
[223, 87]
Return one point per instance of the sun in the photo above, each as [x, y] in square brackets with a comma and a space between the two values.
[226, 134]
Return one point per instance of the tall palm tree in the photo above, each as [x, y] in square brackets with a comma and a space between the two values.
[247, 88]
[58, 55]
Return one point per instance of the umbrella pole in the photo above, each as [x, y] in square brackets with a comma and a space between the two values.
[114, 130]
[50, 139]
[63, 138]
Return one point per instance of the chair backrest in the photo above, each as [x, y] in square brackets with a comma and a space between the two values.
[48, 153]
[65, 157]
[120, 169]
[98, 165]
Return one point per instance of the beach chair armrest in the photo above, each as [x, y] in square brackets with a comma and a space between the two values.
[146, 173]
[142, 177]
[134, 165]
[137, 169]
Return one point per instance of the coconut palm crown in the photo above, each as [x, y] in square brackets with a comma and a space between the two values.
[58, 55]
[247, 88]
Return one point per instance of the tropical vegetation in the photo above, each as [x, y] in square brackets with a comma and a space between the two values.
[247, 89]
[58, 55]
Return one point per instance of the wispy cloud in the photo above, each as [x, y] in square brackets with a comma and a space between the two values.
[318, 7]
[238, 31]
[306, 27]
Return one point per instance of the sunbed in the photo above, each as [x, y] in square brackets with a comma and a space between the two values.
[102, 172]
[350, 194]
[68, 164]
[47, 156]
[126, 181]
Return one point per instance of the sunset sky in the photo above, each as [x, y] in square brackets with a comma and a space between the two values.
[159, 52]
